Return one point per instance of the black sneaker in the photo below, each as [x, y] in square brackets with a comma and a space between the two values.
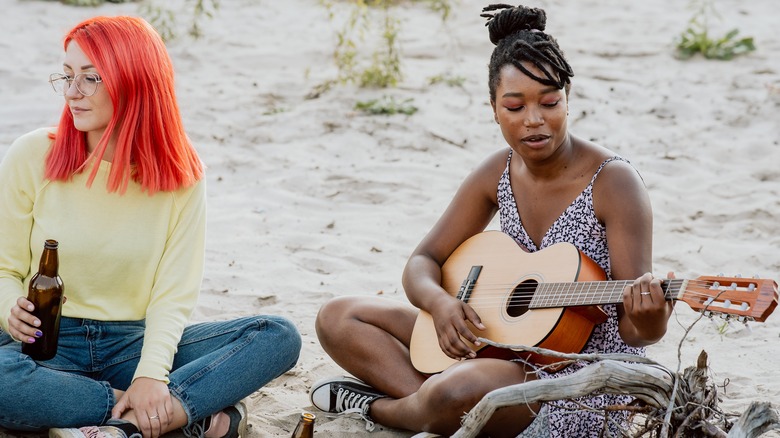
[344, 395]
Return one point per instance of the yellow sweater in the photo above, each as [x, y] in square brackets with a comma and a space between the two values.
[122, 257]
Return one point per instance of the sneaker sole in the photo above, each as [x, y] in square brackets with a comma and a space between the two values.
[63, 433]
[242, 425]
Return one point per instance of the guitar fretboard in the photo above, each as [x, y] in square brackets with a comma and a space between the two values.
[589, 293]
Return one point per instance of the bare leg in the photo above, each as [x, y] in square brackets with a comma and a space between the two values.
[443, 399]
[369, 338]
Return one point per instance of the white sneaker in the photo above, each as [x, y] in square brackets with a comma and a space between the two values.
[112, 429]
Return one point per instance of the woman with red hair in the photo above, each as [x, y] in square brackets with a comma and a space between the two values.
[120, 187]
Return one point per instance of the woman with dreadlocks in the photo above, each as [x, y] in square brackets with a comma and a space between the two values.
[547, 186]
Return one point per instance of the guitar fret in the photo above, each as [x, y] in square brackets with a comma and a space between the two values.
[584, 293]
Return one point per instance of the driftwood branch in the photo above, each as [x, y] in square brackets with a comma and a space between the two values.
[649, 383]
[758, 419]
[676, 404]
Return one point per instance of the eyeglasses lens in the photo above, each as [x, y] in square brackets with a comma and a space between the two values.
[86, 83]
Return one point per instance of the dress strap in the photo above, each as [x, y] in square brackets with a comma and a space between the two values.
[604, 163]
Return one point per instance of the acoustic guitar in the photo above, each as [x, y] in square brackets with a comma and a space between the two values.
[551, 299]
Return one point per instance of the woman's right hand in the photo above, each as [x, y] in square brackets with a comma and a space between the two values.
[22, 324]
[449, 317]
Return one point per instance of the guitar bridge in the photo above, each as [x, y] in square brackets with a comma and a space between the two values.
[464, 293]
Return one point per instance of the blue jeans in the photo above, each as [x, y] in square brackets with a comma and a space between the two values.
[216, 365]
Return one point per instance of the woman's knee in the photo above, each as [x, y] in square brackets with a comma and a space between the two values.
[333, 315]
[463, 385]
[286, 335]
[452, 393]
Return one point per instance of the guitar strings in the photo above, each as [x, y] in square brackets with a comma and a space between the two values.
[573, 293]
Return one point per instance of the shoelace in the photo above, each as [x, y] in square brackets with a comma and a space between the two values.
[196, 430]
[350, 402]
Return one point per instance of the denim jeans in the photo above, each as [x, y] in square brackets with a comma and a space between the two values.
[216, 365]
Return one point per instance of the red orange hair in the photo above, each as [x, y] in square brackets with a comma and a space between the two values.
[152, 148]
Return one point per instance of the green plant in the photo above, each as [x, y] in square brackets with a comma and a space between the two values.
[383, 69]
[447, 79]
[274, 110]
[386, 105]
[92, 2]
[444, 7]
[696, 38]
[164, 19]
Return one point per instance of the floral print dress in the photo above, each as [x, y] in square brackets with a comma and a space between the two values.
[579, 226]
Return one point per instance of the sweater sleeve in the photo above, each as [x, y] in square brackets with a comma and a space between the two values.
[21, 172]
[176, 286]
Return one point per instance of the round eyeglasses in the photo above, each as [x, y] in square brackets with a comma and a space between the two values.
[86, 83]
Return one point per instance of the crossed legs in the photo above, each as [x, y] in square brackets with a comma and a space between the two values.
[369, 338]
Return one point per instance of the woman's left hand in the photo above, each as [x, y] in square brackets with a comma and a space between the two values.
[645, 304]
[150, 400]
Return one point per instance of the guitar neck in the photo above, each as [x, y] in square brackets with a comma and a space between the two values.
[589, 293]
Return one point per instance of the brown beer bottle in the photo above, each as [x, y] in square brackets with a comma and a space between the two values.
[46, 292]
[305, 427]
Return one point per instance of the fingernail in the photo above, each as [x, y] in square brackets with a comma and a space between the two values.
[30, 308]
[36, 322]
[31, 340]
[38, 334]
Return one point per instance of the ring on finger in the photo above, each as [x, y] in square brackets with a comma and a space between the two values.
[644, 293]
[154, 417]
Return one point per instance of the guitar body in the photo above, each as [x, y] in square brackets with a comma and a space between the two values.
[507, 273]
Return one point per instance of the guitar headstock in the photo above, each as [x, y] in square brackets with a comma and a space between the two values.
[744, 298]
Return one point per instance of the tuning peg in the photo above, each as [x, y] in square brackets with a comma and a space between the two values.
[751, 287]
[727, 303]
[738, 276]
[715, 285]
[743, 307]
[733, 286]
[719, 326]
[756, 276]
[731, 329]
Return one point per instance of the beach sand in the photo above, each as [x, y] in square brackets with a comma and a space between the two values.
[310, 199]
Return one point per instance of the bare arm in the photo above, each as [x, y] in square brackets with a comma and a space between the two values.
[623, 205]
[469, 212]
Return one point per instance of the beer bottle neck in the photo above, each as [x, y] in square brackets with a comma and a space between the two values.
[49, 262]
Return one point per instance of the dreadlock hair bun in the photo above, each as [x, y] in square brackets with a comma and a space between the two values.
[512, 19]
[519, 37]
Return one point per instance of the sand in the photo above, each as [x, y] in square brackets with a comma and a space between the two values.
[310, 199]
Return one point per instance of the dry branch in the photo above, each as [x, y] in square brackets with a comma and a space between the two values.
[758, 419]
[649, 383]
[676, 404]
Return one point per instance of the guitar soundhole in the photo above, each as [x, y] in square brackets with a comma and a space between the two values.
[521, 298]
